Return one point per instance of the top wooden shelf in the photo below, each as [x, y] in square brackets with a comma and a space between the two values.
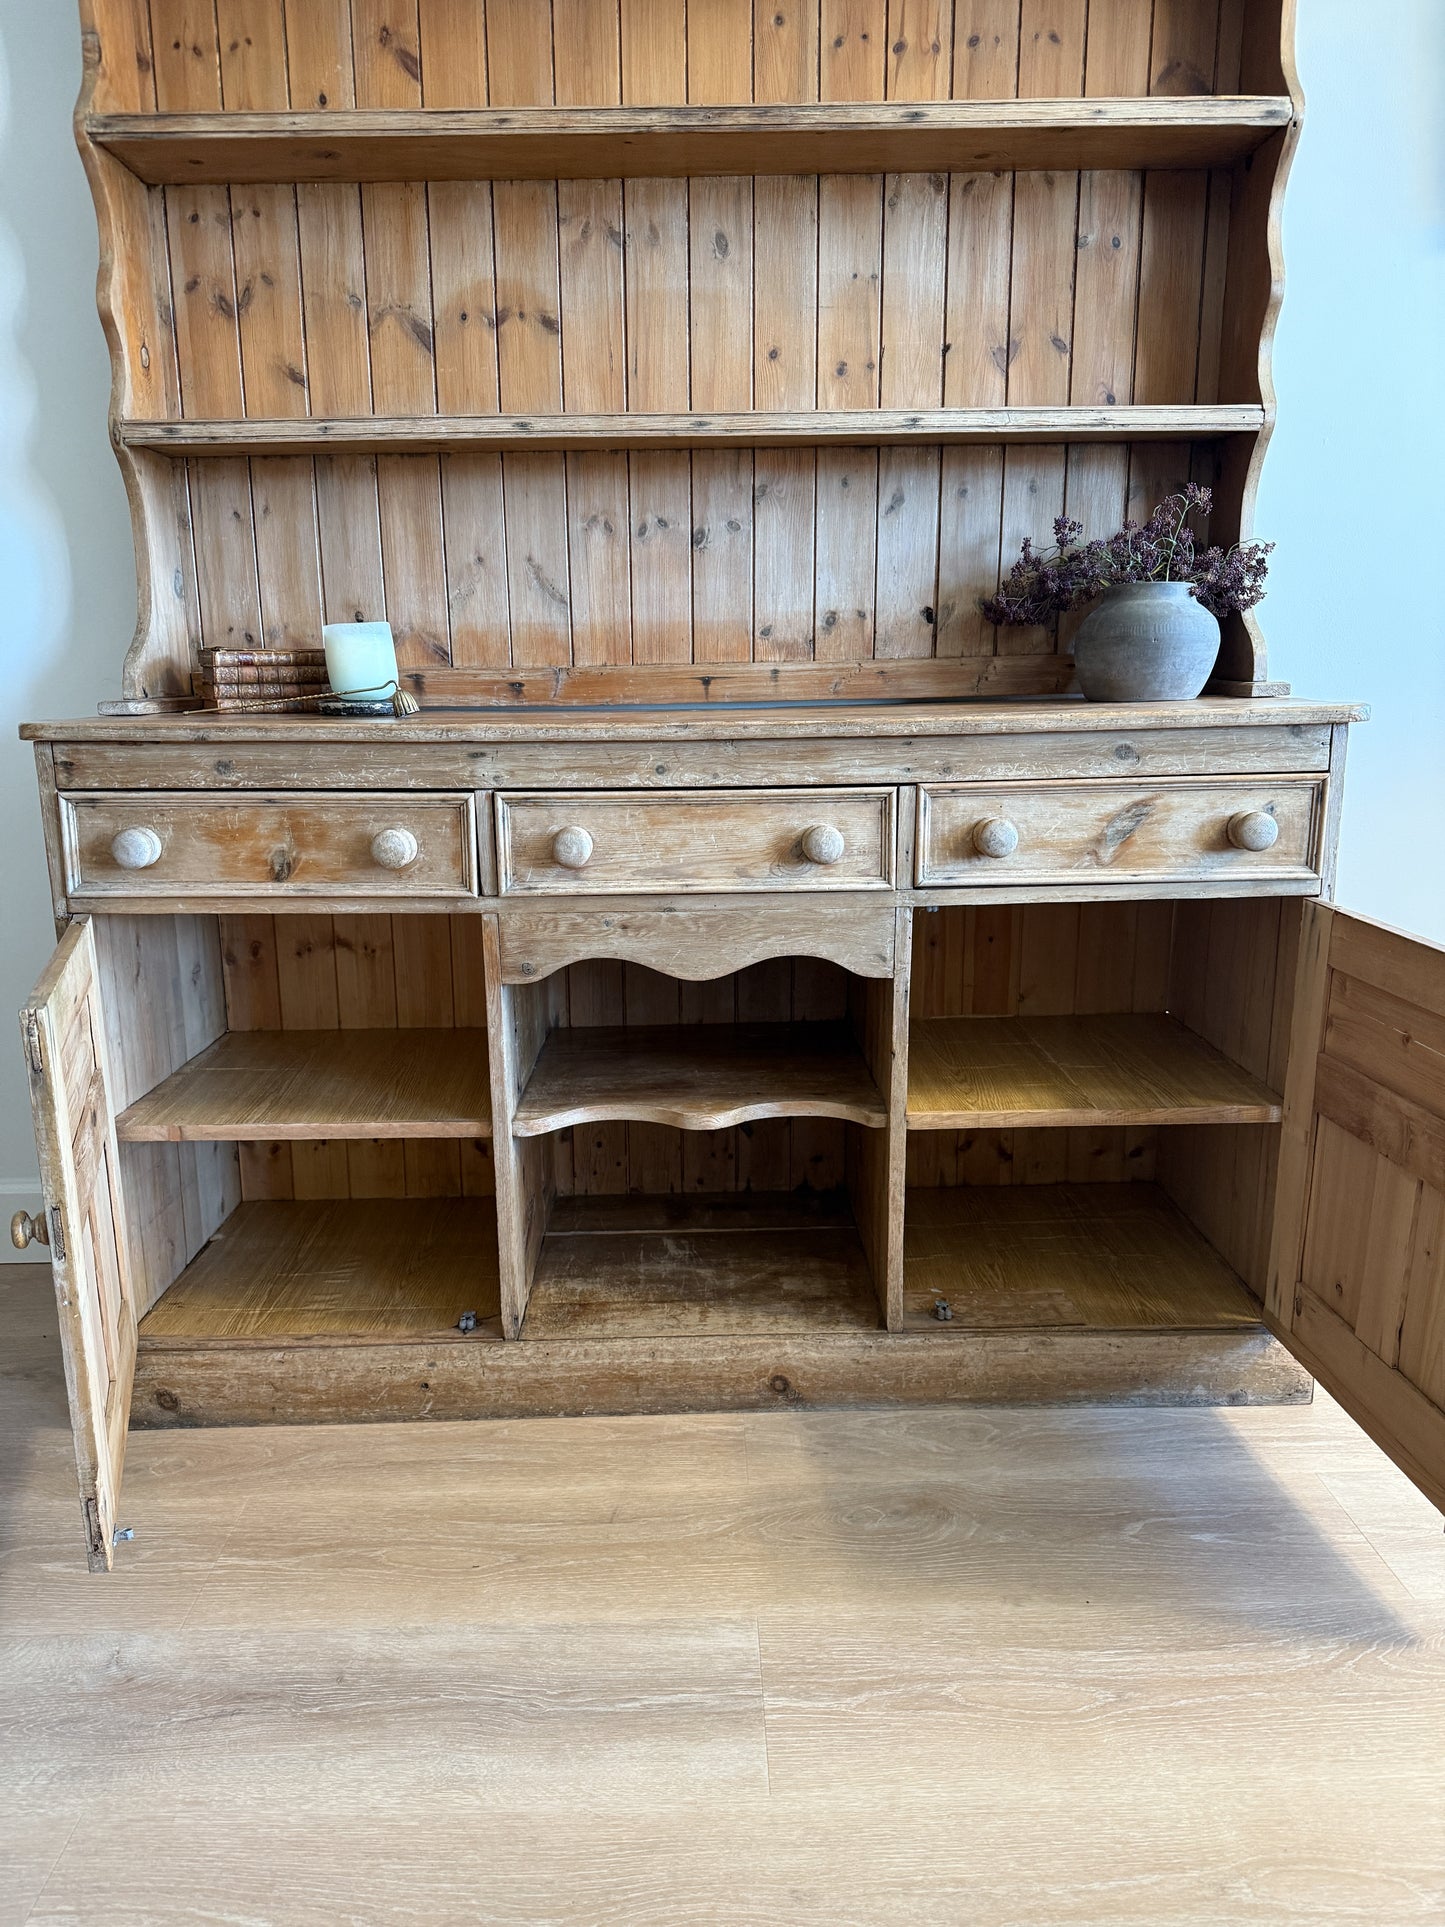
[591, 143]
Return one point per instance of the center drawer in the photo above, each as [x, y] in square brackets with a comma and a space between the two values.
[297, 845]
[626, 841]
[1257, 830]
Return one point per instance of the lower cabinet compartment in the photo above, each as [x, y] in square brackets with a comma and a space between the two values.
[1035, 1163]
[1052, 1257]
[730, 1264]
[364, 1269]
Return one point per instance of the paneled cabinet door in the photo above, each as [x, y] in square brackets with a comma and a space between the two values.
[1357, 1273]
[65, 1056]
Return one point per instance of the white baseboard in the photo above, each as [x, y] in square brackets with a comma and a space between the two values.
[19, 1194]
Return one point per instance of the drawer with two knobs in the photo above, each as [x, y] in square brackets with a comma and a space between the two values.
[1261, 832]
[277, 846]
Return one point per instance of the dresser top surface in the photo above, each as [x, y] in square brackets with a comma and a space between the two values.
[787, 722]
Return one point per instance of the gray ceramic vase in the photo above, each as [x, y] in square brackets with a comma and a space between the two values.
[1147, 642]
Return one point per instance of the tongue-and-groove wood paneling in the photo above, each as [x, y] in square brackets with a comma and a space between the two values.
[408, 298]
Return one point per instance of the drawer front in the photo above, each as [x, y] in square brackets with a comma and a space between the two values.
[1170, 832]
[156, 845]
[624, 842]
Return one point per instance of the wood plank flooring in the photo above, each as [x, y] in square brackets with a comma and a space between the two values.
[1109, 1668]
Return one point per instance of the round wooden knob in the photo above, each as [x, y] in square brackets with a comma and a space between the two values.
[995, 836]
[394, 849]
[136, 849]
[823, 844]
[572, 848]
[1253, 830]
[25, 1230]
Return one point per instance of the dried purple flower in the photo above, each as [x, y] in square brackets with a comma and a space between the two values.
[1041, 585]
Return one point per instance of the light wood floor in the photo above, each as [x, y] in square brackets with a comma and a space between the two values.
[1008, 1669]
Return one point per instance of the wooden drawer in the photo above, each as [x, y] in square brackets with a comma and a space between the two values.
[1176, 832]
[623, 842]
[155, 845]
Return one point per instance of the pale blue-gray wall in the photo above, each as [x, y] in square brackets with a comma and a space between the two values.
[1352, 489]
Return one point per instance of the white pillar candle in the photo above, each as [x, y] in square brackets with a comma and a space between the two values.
[360, 660]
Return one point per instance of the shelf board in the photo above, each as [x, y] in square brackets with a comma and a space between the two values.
[1099, 1257]
[598, 143]
[697, 1077]
[262, 1085]
[1005, 1072]
[455, 434]
[367, 1269]
[724, 1266]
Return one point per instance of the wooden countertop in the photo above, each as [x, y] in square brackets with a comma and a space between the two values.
[699, 722]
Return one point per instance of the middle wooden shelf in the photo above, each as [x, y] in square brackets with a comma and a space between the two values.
[697, 1077]
[747, 428]
[258, 1085]
[1012, 1072]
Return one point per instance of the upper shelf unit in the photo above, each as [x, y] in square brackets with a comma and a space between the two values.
[599, 143]
[451, 434]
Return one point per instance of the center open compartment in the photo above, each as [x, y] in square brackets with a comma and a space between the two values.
[700, 1156]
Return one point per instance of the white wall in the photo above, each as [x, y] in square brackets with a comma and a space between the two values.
[67, 579]
[1353, 471]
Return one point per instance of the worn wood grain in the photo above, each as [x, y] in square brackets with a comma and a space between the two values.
[324, 1083]
[1104, 1256]
[303, 846]
[1136, 1069]
[360, 1269]
[693, 842]
[602, 143]
[697, 1078]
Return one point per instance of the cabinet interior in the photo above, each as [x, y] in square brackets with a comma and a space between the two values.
[305, 1113]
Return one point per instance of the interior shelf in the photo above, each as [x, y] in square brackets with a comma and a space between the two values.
[262, 1085]
[1002, 1072]
[368, 1269]
[697, 1077]
[735, 1264]
[598, 143]
[455, 434]
[1104, 1257]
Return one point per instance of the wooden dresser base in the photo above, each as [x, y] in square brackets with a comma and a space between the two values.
[179, 1383]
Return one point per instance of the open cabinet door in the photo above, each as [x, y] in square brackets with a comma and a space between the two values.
[70, 1095]
[1357, 1270]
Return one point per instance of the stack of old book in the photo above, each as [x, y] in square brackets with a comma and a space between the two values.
[280, 678]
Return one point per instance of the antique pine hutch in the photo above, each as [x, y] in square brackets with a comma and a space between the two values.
[748, 957]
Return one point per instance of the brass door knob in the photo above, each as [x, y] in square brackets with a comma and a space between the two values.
[136, 849]
[1253, 830]
[995, 836]
[394, 849]
[25, 1230]
[572, 848]
[823, 844]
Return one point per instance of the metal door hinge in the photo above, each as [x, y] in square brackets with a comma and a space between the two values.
[57, 1233]
[32, 1043]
